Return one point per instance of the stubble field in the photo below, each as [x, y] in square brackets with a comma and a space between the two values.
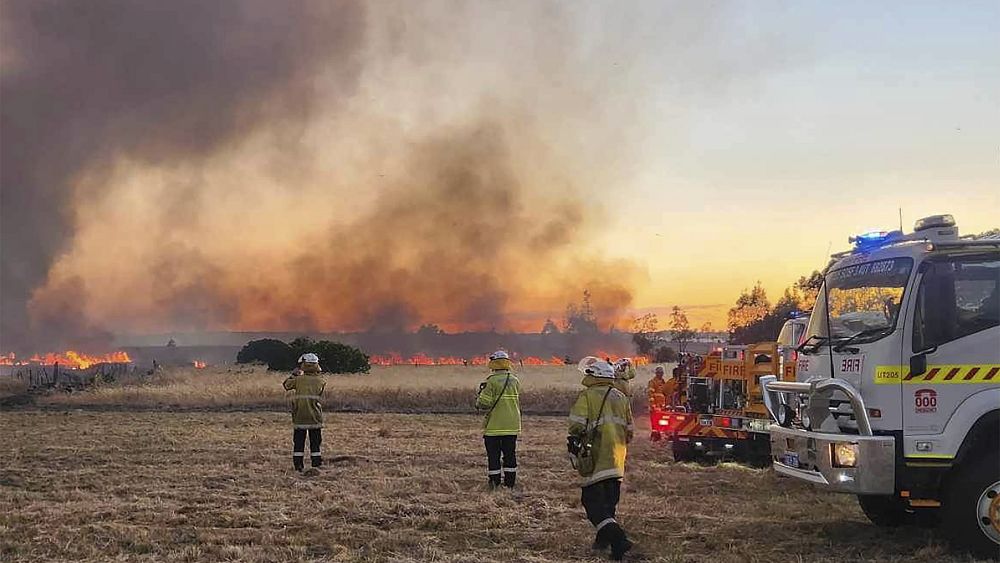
[88, 485]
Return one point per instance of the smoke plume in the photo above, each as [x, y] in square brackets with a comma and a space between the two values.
[311, 166]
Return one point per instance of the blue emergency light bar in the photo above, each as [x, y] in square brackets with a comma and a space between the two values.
[873, 239]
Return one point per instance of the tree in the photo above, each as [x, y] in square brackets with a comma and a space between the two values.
[766, 328]
[550, 327]
[706, 328]
[334, 357]
[645, 324]
[275, 353]
[680, 328]
[751, 306]
[809, 288]
[665, 355]
[429, 330]
[580, 319]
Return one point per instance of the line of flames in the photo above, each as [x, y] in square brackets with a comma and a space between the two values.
[69, 359]
[394, 359]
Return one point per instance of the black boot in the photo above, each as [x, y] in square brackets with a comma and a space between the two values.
[620, 543]
[317, 461]
[297, 462]
[509, 477]
[494, 482]
[601, 541]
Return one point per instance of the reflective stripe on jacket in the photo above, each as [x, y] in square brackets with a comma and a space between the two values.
[614, 427]
[307, 410]
[505, 418]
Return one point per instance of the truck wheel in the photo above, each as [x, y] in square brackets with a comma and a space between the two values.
[971, 508]
[681, 452]
[887, 511]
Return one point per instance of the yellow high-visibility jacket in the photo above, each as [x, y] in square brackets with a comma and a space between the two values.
[661, 392]
[307, 410]
[505, 418]
[623, 382]
[614, 427]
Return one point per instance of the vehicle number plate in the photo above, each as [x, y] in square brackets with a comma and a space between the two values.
[790, 459]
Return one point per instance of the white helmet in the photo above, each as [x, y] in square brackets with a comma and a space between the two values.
[601, 369]
[309, 358]
[500, 355]
[586, 363]
[622, 365]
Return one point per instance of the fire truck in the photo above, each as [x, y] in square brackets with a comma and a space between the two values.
[897, 390]
[720, 412]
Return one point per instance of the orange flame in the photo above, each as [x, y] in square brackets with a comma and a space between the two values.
[420, 359]
[198, 364]
[77, 360]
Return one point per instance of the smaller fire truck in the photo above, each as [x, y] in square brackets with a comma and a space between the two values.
[719, 412]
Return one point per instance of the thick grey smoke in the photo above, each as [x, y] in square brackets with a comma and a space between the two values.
[87, 85]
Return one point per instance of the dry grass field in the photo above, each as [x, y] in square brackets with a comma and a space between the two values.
[405, 389]
[218, 486]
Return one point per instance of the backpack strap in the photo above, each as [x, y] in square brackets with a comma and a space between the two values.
[593, 431]
[500, 396]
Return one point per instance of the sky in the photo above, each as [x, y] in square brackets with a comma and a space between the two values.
[865, 109]
[348, 165]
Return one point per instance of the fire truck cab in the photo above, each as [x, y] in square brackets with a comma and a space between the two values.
[897, 391]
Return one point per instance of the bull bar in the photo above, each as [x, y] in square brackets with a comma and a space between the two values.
[808, 455]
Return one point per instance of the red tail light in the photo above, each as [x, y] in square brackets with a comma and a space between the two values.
[726, 421]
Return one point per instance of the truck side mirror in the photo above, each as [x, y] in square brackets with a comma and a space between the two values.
[918, 364]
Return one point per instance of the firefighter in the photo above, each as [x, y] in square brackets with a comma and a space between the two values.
[600, 428]
[499, 396]
[624, 374]
[661, 391]
[307, 412]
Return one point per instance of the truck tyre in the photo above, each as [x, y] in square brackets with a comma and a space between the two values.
[887, 511]
[681, 452]
[971, 508]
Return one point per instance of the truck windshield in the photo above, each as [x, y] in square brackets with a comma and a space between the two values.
[864, 301]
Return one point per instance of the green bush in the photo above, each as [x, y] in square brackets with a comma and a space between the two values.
[275, 353]
[334, 357]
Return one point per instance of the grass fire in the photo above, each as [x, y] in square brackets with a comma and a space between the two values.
[437, 281]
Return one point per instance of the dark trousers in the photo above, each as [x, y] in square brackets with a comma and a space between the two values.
[501, 459]
[600, 500]
[299, 442]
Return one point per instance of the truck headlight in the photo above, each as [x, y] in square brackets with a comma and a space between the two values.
[844, 454]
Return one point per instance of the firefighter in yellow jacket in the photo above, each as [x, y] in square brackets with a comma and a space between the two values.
[307, 411]
[600, 428]
[624, 374]
[499, 396]
[661, 391]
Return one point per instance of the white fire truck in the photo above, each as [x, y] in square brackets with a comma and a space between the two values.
[897, 390]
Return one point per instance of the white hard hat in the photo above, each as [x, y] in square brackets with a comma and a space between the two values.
[309, 358]
[601, 369]
[500, 355]
[586, 363]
